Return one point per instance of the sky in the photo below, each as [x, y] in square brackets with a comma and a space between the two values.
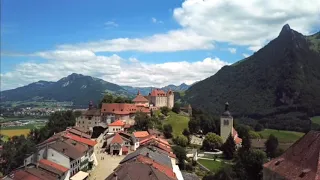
[142, 42]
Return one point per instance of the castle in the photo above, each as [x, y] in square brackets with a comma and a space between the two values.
[156, 98]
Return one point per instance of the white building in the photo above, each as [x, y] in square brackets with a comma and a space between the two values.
[116, 126]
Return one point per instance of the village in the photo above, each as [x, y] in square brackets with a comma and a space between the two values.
[103, 144]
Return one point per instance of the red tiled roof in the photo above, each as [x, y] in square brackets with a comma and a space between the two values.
[118, 108]
[143, 109]
[117, 139]
[80, 139]
[164, 169]
[140, 98]
[53, 165]
[140, 134]
[117, 123]
[302, 157]
[236, 139]
[158, 92]
[23, 175]
[125, 149]
[153, 137]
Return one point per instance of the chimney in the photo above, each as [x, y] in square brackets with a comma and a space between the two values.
[115, 175]
[148, 155]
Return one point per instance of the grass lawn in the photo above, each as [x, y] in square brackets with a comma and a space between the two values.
[283, 136]
[213, 166]
[316, 119]
[15, 132]
[178, 123]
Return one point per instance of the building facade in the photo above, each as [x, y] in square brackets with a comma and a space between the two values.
[160, 98]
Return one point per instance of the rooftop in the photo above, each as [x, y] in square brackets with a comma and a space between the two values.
[118, 108]
[80, 139]
[137, 171]
[301, 160]
[117, 139]
[117, 123]
[140, 134]
[52, 167]
[66, 149]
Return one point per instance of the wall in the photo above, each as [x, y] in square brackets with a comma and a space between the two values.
[58, 158]
[113, 129]
[225, 130]
[87, 123]
[170, 101]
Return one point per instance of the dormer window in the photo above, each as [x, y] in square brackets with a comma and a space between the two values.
[112, 109]
[304, 173]
[279, 161]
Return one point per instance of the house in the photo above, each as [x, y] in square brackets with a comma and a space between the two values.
[127, 140]
[140, 134]
[66, 149]
[90, 119]
[140, 100]
[116, 126]
[300, 161]
[138, 170]
[31, 173]
[113, 111]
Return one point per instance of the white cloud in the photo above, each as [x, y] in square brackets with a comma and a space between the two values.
[245, 55]
[170, 42]
[204, 22]
[110, 24]
[110, 68]
[232, 50]
[154, 20]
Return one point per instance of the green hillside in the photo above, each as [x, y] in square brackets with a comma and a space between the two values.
[278, 85]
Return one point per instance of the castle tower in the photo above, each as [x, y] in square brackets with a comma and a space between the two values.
[190, 110]
[170, 99]
[226, 123]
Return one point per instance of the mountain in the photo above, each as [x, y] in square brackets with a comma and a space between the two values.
[146, 90]
[279, 85]
[75, 88]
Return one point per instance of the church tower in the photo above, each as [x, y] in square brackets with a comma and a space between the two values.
[170, 99]
[226, 123]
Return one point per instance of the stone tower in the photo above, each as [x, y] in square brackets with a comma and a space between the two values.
[226, 123]
[170, 99]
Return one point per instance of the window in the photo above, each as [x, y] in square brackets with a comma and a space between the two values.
[51, 154]
[89, 118]
[113, 129]
[226, 122]
[82, 122]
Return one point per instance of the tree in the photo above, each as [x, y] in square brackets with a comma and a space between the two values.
[181, 141]
[142, 121]
[77, 113]
[248, 165]
[271, 146]
[176, 108]
[258, 127]
[186, 132]
[225, 173]
[246, 144]
[181, 155]
[229, 147]
[194, 125]
[242, 130]
[167, 130]
[165, 110]
[211, 142]
[107, 98]
[59, 121]
[253, 135]
[14, 151]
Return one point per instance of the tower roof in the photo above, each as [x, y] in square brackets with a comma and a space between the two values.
[226, 112]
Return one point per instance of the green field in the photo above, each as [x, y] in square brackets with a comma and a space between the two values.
[283, 136]
[316, 120]
[212, 165]
[178, 122]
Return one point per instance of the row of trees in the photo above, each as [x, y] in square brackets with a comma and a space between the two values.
[17, 147]
[109, 98]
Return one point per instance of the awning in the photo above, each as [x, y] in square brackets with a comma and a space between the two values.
[80, 176]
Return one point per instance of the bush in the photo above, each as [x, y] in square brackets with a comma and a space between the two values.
[167, 130]
[253, 135]
[181, 141]
[176, 108]
[164, 110]
[258, 127]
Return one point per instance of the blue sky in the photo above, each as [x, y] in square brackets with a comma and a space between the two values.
[138, 43]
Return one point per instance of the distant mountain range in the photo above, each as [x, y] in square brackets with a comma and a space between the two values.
[76, 88]
[279, 85]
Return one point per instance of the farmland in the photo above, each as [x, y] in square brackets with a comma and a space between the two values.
[15, 132]
[283, 136]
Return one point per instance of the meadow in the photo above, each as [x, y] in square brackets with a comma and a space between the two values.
[14, 132]
[212, 165]
[283, 136]
[316, 120]
[178, 123]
